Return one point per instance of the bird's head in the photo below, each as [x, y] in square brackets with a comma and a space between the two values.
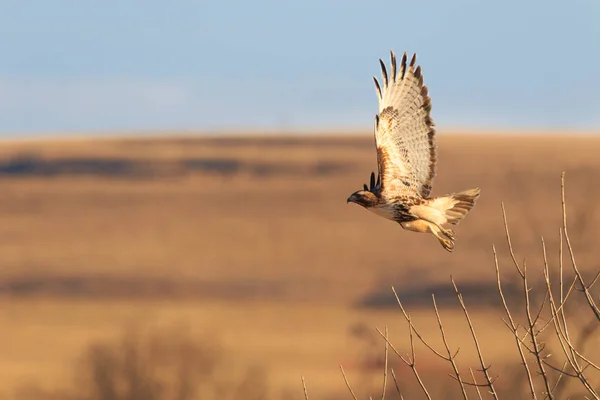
[366, 197]
[363, 198]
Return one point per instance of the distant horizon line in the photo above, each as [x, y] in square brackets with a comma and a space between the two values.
[273, 132]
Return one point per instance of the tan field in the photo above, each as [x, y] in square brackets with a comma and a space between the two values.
[249, 244]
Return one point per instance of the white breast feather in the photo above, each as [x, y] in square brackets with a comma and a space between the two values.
[384, 210]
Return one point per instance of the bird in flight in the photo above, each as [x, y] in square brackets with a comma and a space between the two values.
[406, 159]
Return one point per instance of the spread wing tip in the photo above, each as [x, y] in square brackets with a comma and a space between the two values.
[384, 74]
[413, 60]
[377, 87]
[403, 65]
[393, 59]
[413, 69]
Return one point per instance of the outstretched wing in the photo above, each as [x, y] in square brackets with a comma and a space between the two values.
[404, 133]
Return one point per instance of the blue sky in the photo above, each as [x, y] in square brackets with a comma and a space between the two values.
[123, 65]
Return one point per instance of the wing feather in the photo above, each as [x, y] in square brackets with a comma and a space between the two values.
[384, 75]
[404, 133]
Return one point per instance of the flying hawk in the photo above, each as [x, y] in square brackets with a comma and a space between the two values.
[406, 158]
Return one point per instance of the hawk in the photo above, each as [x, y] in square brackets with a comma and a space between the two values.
[406, 159]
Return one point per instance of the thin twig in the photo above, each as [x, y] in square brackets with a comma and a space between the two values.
[476, 386]
[560, 370]
[539, 313]
[304, 386]
[450, 356]
[408, 359]
[562, 333]
[407, 317]
[578, 353]
[562, 373]
[389, 343]
[396, 383]
[348, 384]
[587, 330]
[411, 360]
[585, 334]
[594, 280]
[513, 326]
[385, 370]
[559, 315]
[560, 306]
[554, 313]
[469, 383]
[537, 350]
[588, 296]
[560, 267]
[510, 247]
[484, 369]
[559, 320]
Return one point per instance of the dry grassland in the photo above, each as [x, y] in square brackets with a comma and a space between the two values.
[250, 243]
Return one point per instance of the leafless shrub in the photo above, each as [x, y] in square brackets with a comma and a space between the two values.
[167, 364]
[549, 328]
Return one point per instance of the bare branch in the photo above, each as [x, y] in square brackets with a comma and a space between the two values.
[559, 321]
[396, 383]
[348, 384]
[450, 356]
[546, 271]
[390, 343]
[594, 280]
[385, 370]
[304, 386]
[476, 385]
[537, 350]
[407, 317]
[562, 373]
[513, 326]
[510, 247]
[412, 363]
[484, 369]
[560, 370]
[588, 296]
[409, 360]
[559, 316]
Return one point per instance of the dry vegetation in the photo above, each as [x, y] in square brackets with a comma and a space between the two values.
[556, 363]
[250, 241]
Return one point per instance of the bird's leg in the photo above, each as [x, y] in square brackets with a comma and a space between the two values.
[447, 244]
[420, 225]
[449, 233]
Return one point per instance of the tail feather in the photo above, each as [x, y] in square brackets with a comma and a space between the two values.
[463, 203]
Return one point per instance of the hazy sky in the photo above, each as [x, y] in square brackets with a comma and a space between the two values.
[71, 66]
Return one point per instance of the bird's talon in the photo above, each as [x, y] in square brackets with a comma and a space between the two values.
[448, 245]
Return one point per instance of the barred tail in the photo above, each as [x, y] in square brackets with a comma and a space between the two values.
[463, 203]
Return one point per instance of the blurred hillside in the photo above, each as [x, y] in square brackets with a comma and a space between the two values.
[251, 239]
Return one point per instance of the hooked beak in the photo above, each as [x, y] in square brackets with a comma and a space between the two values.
[350, 199]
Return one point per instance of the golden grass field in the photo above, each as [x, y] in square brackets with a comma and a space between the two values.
[249, 243]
